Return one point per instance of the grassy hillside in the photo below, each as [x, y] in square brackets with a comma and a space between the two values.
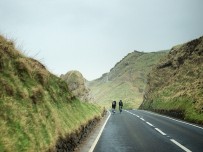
[36, 107]
[126, 80]
[176, 83]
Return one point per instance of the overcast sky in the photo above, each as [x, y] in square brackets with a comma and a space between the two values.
[91, 36]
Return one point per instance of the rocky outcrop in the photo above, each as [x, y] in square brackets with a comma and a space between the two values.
[77, 85]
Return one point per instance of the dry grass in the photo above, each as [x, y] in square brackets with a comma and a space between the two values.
[179, 82]
[39, 71]
[6, 88]
[36, 107]
[7, 46]
[23, 67]
[37, 94]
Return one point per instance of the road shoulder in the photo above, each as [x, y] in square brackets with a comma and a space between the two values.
[87, 143]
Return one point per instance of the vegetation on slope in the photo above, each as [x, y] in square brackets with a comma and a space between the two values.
[176, 83]
[126, 81]
[36, 107]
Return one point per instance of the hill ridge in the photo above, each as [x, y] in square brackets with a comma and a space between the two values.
[126, 80]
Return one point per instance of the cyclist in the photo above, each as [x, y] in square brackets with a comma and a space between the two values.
[113, 106]
[120, 106]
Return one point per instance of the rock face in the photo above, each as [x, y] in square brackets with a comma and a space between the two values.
[176, 83]
[76, 85]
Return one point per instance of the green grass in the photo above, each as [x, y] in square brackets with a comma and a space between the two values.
[179, 85]
[126, 81]
[185, 104]
[25, 126]
[36, 106]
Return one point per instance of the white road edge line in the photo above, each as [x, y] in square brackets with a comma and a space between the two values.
[181, 146]
[174, 119]
[98, 136]
[161, 132]
[150, 124]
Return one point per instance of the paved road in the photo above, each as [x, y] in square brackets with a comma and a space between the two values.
[137, 130]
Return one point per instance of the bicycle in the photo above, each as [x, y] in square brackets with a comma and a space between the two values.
[113, 111]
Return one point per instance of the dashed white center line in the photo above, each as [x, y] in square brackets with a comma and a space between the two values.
[149, 124]
[181, 146]
[142, 119]
[164, 134]
[161, 132]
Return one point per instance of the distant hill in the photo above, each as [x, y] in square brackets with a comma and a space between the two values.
[175, 85]
[37, 110]
[77, 85]
[126, 80]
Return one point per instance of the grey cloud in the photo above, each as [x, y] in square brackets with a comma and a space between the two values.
[92, 35]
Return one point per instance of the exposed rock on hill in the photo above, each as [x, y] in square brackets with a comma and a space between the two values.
[76, 85]
[126, 80]
[176, 83]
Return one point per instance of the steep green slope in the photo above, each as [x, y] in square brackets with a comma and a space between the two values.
[175, 85]
[36, 108]
[126, 80]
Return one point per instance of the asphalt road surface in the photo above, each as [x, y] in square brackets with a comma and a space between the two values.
[137, 130]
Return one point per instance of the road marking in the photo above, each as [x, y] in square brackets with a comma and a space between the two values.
[164, 134]
[149, 124]
[173, 119]
[181, 146]
[161, 132]
[97, 139]
[132, 113]
[142, 119]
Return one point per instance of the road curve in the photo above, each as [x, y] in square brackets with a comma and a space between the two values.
[138, 130]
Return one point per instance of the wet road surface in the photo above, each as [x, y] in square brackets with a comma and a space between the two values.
[137, 130]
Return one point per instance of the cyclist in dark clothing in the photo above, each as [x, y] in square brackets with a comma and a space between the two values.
[120, 106]
[113, 106]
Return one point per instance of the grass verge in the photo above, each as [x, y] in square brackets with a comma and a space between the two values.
[36, 107]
